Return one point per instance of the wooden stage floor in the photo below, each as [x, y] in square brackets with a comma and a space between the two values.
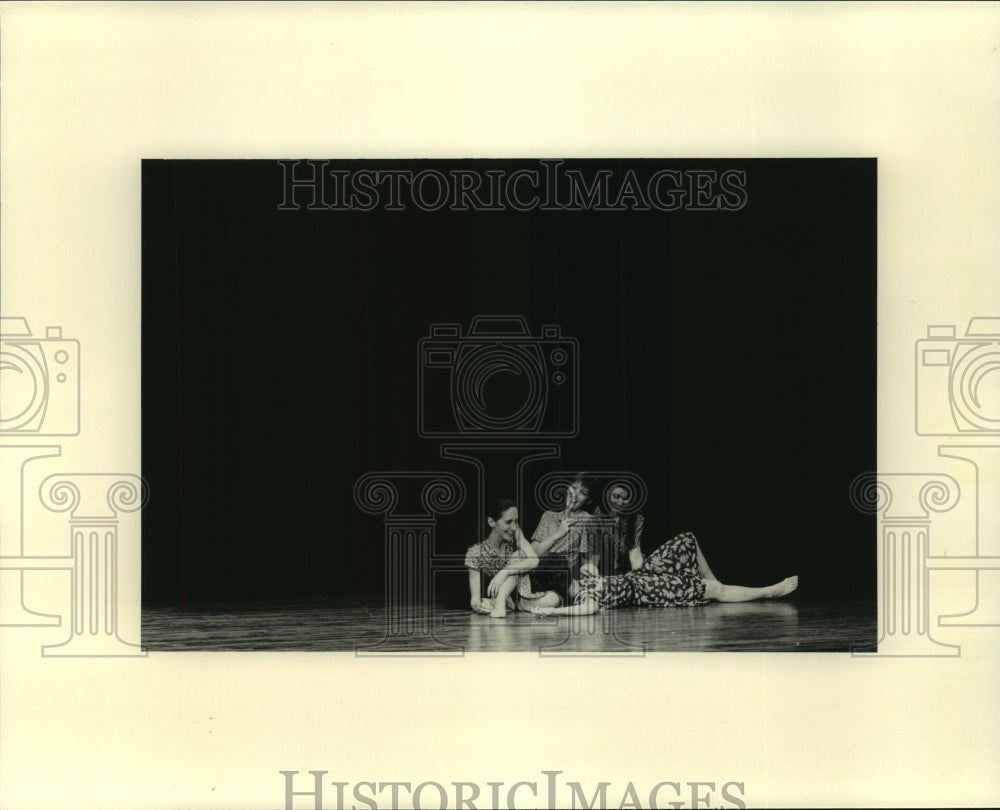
[366, 627]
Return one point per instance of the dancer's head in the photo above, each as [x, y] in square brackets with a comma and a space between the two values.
[501, 516]
[580, 493]
[619, 499]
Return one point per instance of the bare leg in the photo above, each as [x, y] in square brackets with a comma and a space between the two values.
[703, 568]
[547, 599]
[739, 593]
[584, 608]
[500, 604]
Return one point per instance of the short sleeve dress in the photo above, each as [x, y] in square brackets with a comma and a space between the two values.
[482, 557]
[669, 577]
[561, 563]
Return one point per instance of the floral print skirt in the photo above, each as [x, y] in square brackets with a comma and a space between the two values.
[669, 577]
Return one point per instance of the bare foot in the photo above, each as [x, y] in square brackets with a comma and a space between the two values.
[783, 588]
[500, 611]
[485, 606]
[543, 611]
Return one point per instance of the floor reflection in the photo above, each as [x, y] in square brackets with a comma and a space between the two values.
[778, 626]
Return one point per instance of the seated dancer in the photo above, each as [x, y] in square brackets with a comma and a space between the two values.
[561, 540]
[506, 556]
[674, 575]
[619, 549]
[619, 546]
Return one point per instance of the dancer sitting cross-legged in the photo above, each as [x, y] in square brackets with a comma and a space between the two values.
[674, 575]
[505, 556]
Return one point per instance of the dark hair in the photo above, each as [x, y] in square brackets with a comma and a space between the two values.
[591, 483]
[614, 557]
[631, 519]
[497, 506]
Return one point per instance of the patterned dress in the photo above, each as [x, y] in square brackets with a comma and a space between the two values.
[558, 566]
[482, 557]
[669, 577]
[614, 544]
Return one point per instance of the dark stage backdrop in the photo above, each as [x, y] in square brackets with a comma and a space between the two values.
[726, 351]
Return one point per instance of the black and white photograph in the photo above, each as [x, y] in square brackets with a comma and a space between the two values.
[498, 405]
[456, 405]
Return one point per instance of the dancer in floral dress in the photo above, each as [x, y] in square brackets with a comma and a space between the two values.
[505, 556]
[562, 540]
[671, 576]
